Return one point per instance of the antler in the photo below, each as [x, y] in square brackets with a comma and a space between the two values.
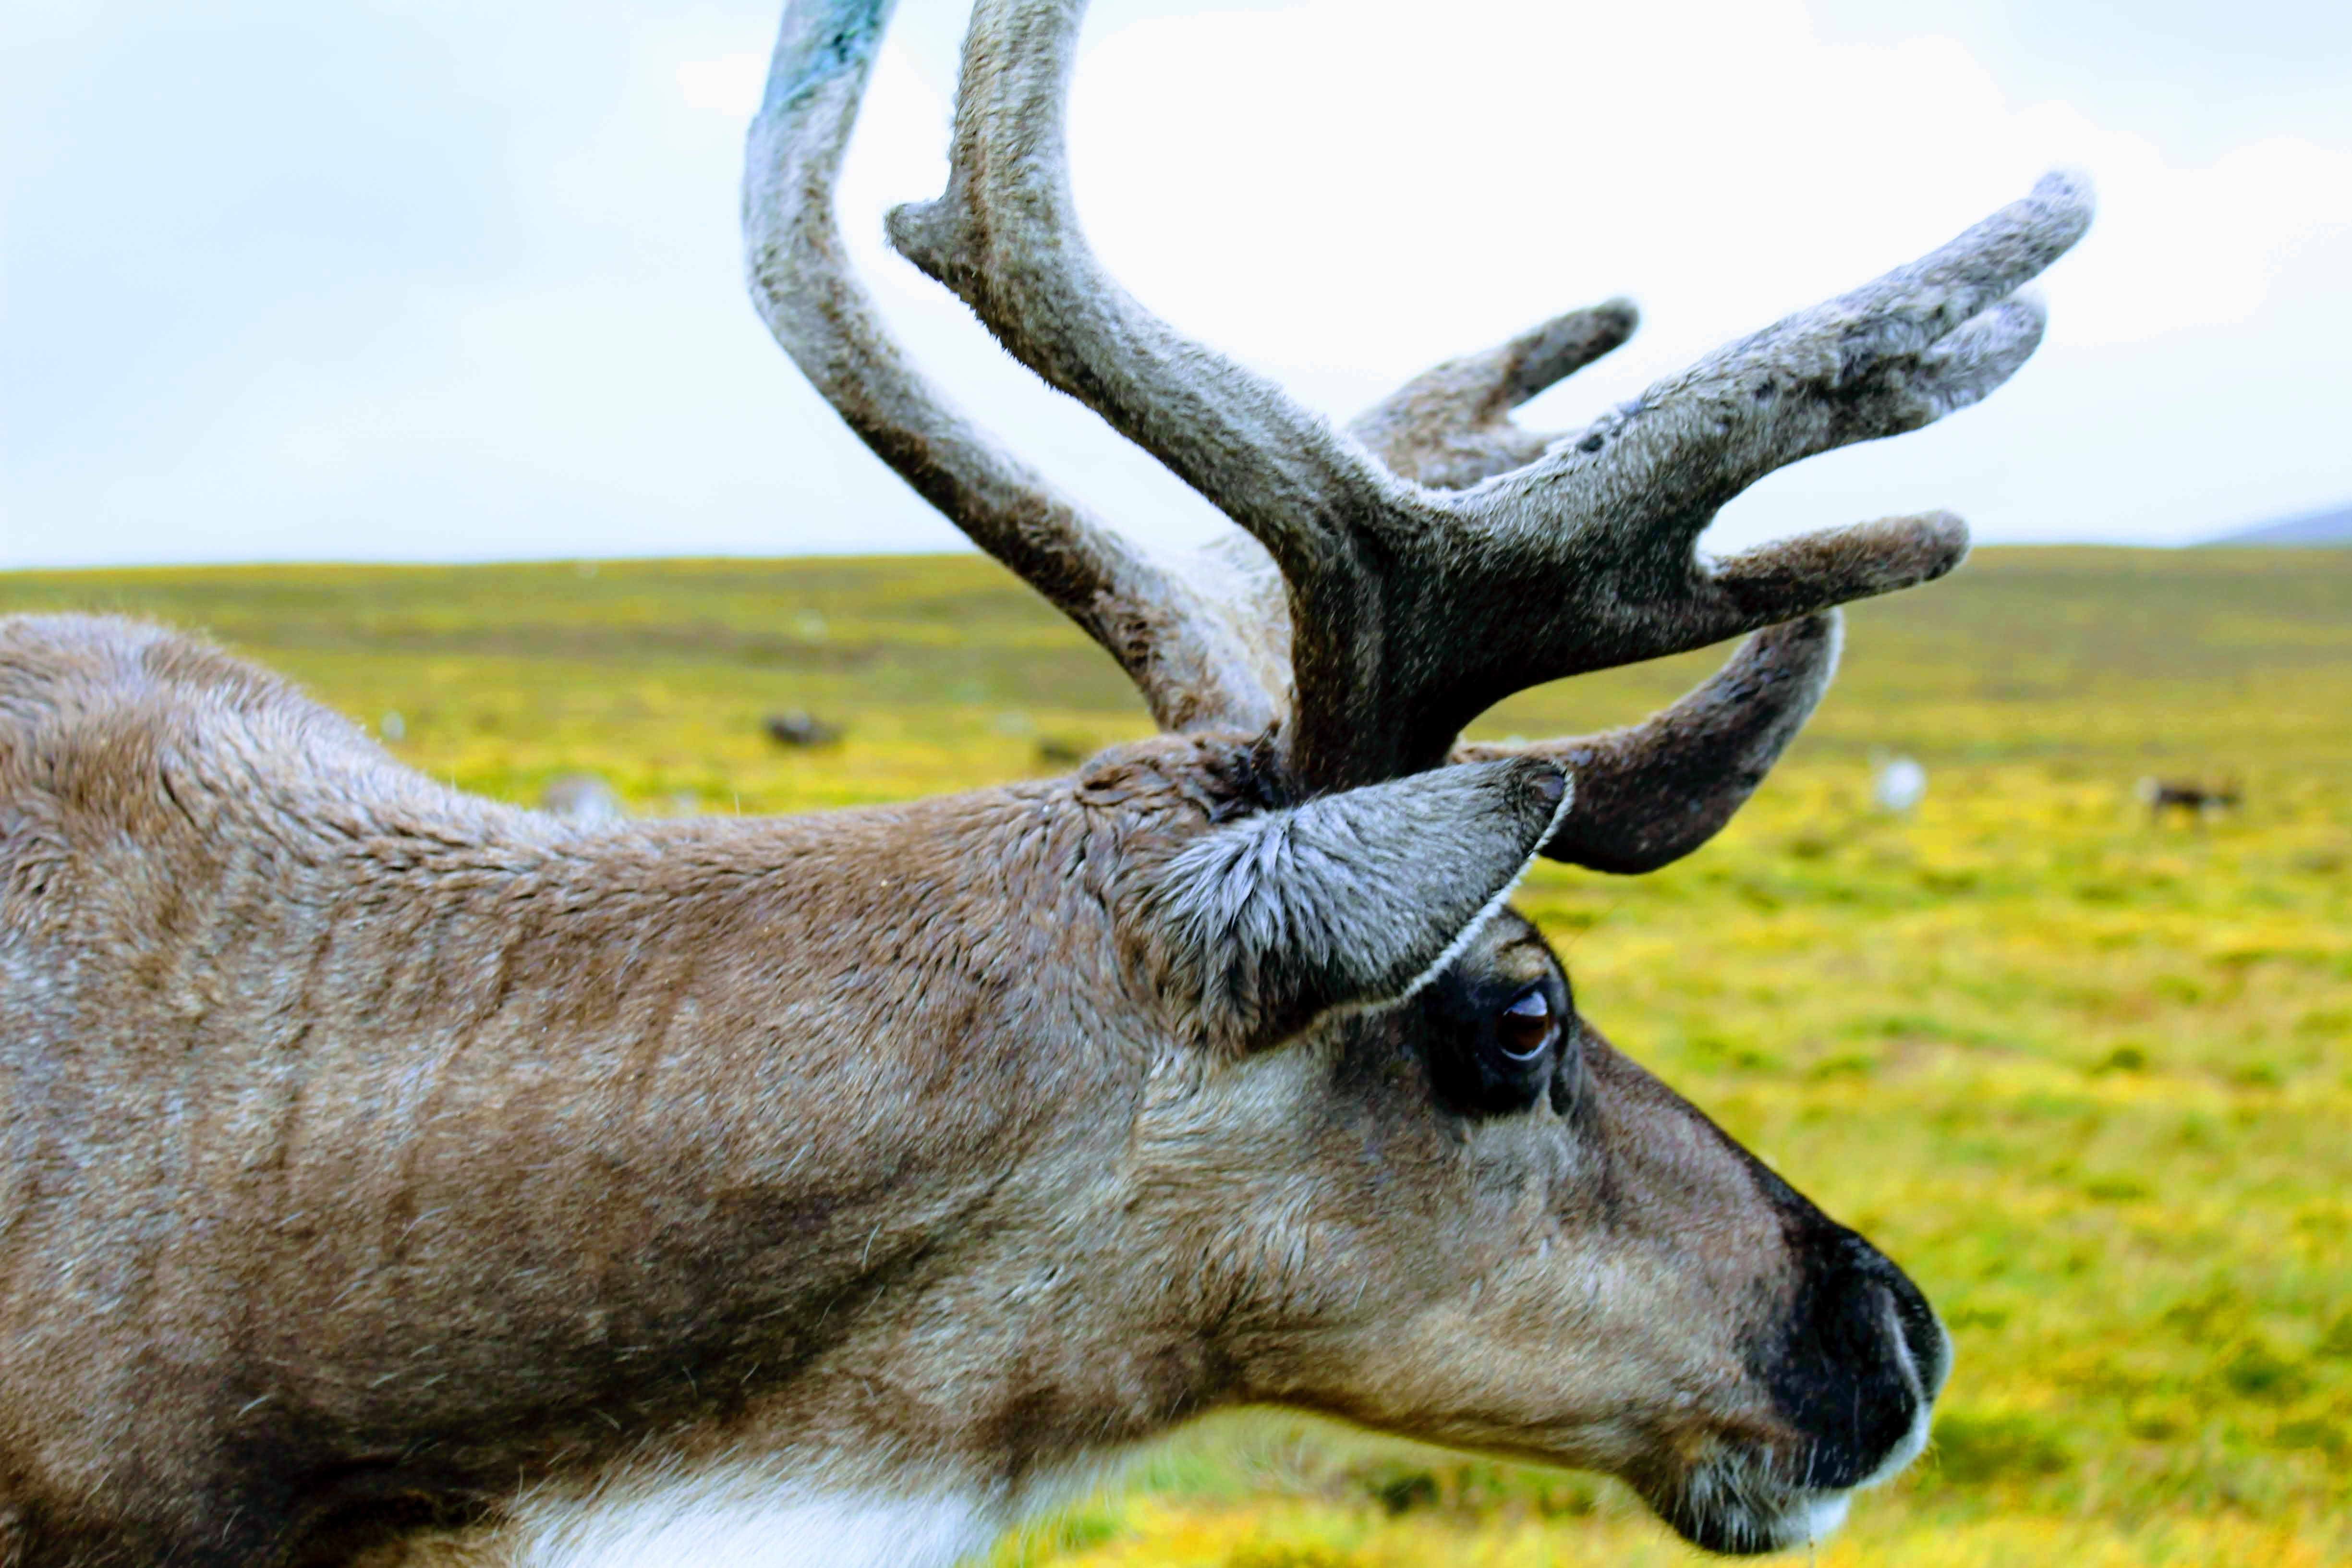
[1196, 643]
[1450, 428]
[1413, 603]
[1651, 792]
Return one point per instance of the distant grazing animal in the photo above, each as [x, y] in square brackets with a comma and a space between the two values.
[2201, 803]
[799, 728]
[390, 1175]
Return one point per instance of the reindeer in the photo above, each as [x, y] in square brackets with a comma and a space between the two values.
[392, 1175]
[2201, 803]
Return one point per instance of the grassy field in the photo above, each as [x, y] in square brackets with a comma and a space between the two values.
[2089, 1079]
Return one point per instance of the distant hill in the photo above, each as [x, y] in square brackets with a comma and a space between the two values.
[2318, 527]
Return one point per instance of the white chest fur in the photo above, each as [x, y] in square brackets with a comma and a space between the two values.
[745, 1522]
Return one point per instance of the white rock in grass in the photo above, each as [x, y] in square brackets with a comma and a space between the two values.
[1901, 783]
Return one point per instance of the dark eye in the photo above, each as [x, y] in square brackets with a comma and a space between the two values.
[1526, 1027]
[1495, 1044]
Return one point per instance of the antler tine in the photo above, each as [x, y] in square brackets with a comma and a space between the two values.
[1183, 649]
[1450, 428]
[1651, 792]
[1005, 239]
[1645, 481]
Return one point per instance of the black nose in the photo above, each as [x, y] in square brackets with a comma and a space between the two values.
[1856, 1358]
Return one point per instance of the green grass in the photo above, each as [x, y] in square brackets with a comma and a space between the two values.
[2090, 1081]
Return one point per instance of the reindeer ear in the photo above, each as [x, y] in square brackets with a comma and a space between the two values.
[1350, 899]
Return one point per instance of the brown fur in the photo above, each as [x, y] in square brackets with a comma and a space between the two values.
[374, 1150]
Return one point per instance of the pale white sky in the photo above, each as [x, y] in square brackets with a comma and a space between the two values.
[431, 279]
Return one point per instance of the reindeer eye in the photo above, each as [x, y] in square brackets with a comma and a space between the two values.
[1495, 1043]
[1526, 1027]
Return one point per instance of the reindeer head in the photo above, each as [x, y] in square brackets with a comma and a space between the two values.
[1379, 1165]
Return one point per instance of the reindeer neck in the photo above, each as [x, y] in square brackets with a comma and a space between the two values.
[660, 1142]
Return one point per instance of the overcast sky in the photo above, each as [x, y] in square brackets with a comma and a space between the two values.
[432, 279]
